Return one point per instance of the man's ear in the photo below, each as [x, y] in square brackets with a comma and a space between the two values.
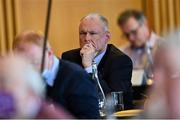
[50, 52]
[108, 36]
[49, 57]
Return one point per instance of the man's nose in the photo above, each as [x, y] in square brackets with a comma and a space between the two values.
[88, 38]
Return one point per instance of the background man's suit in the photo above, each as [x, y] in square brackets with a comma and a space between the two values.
[114, 70]
[74, 90]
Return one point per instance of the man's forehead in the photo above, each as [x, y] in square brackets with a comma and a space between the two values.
[131, 21]
[28, 49]
[26, 44]
[91, 25]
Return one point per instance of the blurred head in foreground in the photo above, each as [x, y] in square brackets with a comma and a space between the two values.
[21, 88]
[165, 97]
[29, 44]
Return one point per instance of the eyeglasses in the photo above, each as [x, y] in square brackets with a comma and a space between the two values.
[132, 32]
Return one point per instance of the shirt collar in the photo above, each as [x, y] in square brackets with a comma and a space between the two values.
[50, 74]
[98, 58]
[152, 40]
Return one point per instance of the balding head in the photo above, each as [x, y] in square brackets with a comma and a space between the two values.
[93, 29]
[100, 18]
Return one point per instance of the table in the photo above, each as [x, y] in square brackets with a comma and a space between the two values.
[128, 113]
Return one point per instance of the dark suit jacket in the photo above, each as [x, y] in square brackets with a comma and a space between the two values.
[74, 90]
[115, 71]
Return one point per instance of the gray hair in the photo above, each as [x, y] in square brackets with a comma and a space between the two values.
[101, 18]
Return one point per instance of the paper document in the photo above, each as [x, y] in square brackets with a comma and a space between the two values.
[137, 77]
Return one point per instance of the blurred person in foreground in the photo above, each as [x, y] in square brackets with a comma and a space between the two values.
[22, 91]
[142, 40]
[114, 67]
[164, 96]
[67, 84]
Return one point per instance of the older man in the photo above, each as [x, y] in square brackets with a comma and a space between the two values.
[114, 66]
[68, 84]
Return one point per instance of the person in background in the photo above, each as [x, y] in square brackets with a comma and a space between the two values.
[142, 40]
[164, 95]
[22, 92]
[67, 84]
[141, 48]
[114, 67]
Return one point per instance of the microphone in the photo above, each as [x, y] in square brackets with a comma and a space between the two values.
[149, 60]
[101, 95]
[149, 54]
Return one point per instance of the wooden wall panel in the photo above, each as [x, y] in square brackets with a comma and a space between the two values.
[7, 25]
[65, 18]
[163, 13]
[156, 16]
[177, 12]
[19, 15]
[171, 14]
[166, 14]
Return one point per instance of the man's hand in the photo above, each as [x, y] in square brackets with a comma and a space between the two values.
[88, 52]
